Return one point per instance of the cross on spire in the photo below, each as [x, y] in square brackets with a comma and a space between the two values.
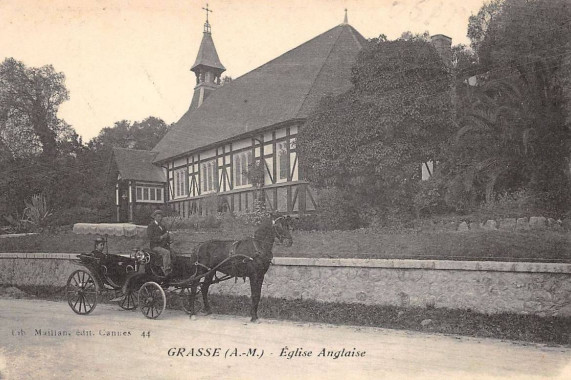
[207, 24]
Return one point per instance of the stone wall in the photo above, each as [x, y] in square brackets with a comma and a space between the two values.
[490, 287]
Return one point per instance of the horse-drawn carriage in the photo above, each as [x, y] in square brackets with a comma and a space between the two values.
[138, 280]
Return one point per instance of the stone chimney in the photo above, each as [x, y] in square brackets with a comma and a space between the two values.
[443, 45]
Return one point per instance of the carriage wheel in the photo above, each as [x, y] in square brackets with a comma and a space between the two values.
[82, 290]
[129, 302]
[152, 300]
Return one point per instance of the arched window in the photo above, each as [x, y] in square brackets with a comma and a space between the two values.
[241, 167]
[283, 167]
[246, 160]
[208, 176]
[181, 183]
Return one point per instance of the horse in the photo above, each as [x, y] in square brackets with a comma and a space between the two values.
[248, 257]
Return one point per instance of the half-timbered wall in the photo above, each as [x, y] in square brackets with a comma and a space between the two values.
[223, 171]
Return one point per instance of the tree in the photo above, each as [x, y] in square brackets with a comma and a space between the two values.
[479, 23]
[143, 135]
[38, 151]
[372, 140]
[29, 102]
[514, 133]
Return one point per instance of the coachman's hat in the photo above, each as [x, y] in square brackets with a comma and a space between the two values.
[156, 212]
[99, 239]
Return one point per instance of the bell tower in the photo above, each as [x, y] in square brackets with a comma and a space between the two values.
[207, 67]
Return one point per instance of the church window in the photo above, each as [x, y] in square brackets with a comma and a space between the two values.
[282, 161]
[208, 176]
[181, 183]
[241, 167]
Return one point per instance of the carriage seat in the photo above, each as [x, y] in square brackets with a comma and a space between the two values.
[90, 258]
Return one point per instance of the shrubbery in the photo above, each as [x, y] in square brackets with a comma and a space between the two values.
[79, 214]
[336, 211]
[192, 222]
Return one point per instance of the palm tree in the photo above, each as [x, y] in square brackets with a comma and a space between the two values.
[494, 143]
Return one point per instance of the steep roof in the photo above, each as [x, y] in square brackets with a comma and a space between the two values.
[207, 55]
[137, 165]
[283, 89]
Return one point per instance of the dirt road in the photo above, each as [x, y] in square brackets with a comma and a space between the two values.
[46, 340]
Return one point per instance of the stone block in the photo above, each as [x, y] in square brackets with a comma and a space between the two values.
[537, 222]
[403, 299]
[463, 227]
[522, 224]
[508, 224]
[426, 322]
[361, 296]
[490, 225]
[532, 306]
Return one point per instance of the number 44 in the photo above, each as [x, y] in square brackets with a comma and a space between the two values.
[146, 334]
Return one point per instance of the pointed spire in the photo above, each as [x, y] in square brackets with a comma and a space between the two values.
[207, 67]
[345, 20]
[207, 56]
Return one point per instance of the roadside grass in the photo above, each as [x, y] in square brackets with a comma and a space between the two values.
[532, 245]
[515, 327]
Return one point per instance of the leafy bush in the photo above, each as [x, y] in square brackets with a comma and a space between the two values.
[255, 173]
[192, 222]
[521, 203]
[306, 222]
[142, 213]
[36, 211]
[336, 211]
[79, 214]
[35, 216]
[212, 204]
[17, 224]
[429, 198]
[258, 214]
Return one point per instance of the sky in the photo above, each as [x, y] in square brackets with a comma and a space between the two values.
[130, 59]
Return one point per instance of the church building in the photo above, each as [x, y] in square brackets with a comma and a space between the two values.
[236, 144]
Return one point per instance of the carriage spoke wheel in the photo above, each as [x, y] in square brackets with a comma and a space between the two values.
[152, 300]
[82, 290]
[129, 302]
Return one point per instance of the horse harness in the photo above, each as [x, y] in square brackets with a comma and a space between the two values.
[232, 252]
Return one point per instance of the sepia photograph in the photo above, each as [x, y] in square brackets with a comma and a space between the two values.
[285, 189]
